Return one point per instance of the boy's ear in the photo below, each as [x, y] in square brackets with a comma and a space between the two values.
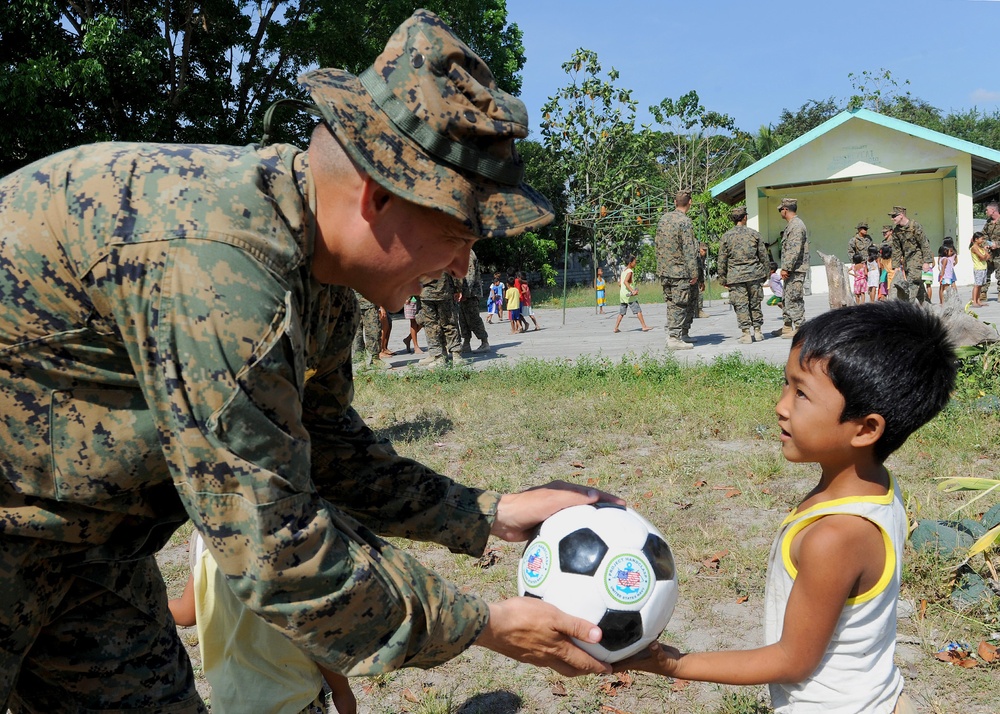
[870, 430]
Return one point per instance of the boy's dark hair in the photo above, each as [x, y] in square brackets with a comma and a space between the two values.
[872, 251]
[890, 358]
[630, 258]
[886, 251]
[774, 266]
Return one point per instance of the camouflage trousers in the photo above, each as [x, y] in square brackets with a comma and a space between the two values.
[793, 311]
[471, 322]
[746, 299]
[368, 338]
[682, 302]
[88, 638]
[991, 270]
[440, 322]
[916, 289]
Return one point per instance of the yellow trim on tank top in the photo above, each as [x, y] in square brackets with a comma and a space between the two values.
[884, 500]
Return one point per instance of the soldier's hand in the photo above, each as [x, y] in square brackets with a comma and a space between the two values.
[529, 630]
[519, 513]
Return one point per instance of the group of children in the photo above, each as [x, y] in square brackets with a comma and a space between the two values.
[872, 276]
[514, 298]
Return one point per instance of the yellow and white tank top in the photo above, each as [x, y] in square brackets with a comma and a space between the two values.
[857, 672]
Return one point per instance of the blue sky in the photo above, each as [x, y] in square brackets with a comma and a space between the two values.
[752, 59]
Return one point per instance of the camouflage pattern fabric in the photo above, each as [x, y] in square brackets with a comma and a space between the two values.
[795, 247]
[795, 260]
[676, 247]
[440, 321]
[793, 307]
[469, 317]
[746, 299]
[992, 231]
[910, 251]
[742, 256]
[681, 304]
[154, 346]
[859, 244]
[368, 338]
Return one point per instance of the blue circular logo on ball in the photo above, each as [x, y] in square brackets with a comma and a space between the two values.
[627, 579]
[535, 564]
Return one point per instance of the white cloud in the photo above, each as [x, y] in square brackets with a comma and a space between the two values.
[985, 96]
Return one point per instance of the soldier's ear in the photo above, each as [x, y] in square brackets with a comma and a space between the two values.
[375, 199]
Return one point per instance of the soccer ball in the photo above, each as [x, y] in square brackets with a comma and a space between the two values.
[610, 566]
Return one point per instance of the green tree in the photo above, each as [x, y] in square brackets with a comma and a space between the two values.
[791, 125]
[697, 147]
[589, 128]
[197, 70]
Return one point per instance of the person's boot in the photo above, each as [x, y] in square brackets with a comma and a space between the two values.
[780, 332]
[484, 346]
[788, 331]
[685, 337]
[745, 338]
[430, 360]
[758, 335]
[457, 360]
[676, 343]
[467, 345]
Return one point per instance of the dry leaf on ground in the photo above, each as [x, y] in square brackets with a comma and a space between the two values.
[988, 652]
[559, 689]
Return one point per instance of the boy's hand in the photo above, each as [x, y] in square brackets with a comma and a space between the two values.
[657, 658]
[519, 513]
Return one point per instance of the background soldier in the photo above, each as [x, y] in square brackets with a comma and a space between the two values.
[743, 266]
[912, 252]
[702, 279]
[368, 338]
[470, 319]
[207, 339]
[860, 243]
[794, 265]
[677, 268]
[992, 232]
[439, 316]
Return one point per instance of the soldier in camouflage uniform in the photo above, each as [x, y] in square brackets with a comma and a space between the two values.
[470, 319]
[743, 266]
[860, 243]
[991, 229]
[175, 343]
[368, 338]
[911, 251]
[794, 266]
[677, 268]
[439, 316]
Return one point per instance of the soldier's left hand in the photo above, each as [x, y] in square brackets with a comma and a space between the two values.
[519, 513]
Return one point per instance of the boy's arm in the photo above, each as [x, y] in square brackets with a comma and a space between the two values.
[828, 571]
[182, 608]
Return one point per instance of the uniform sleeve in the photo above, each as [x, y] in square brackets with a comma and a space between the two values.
[722, 264]
[216, 341]
[925, 246]
[792, 246]
[689, 246]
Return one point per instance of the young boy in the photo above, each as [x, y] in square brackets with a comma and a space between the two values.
[834, 572]
[777, 288]
[526, 309]
[513, 297]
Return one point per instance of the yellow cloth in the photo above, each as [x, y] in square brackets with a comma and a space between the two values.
[513, 298]
[251, 666]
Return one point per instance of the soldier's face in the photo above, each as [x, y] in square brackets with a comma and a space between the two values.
[414, 245]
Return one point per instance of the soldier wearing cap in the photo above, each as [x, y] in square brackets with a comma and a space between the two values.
[743, 266]
[991, 229]
[677, 268]
[439, 316]
[860, 243]
[794, 265]
[469, 308]
[176, 344]
[911, 252]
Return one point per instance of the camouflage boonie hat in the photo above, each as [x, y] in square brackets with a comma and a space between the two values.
[791, 204]
[428, 122]
[861, 225]
[896, 210]
[738, 213]
[887, 229]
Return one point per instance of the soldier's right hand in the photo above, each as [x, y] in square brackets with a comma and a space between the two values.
[529, 630]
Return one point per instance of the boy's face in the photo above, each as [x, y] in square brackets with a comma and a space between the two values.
[809, 416]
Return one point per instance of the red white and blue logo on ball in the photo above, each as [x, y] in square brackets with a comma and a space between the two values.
[628, 579]
[536, 564]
